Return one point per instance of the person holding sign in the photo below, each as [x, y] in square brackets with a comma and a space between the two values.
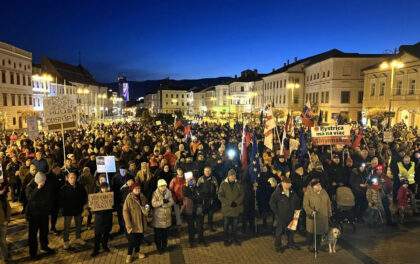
[284, 202]
[103, 224]
[134, 210]
[162, 219]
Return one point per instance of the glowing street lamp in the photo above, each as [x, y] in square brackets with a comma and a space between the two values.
[293, 86]
[395, 64]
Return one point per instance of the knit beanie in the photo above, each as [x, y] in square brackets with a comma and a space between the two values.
[231, 172]
[162, 182]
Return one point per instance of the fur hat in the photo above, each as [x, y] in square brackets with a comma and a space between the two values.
[40, 177]
[162, 182]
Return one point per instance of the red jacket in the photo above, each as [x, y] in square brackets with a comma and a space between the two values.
[403, 194]
[176, 186]
[171, 158]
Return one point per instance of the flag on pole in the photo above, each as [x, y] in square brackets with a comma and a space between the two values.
[359, 138]
[178, 123]
[268, 130]
[254, 168]
[320, 117]
[303, 147]
[307, 115]
[290, 128]
[246, 138]
[187, 130]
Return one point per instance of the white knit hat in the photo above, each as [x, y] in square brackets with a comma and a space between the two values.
[162, 182]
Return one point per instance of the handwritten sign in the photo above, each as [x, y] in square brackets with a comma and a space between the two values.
[60, 109]
[331, 135]
[388, 137]
[32, 123]
[101, 201]
[105, 164]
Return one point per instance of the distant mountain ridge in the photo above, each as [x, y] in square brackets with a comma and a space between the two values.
[139, 89]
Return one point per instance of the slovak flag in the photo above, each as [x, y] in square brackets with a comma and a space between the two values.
[246, 139]
[268, 130]
[178, 123]
[307, 115]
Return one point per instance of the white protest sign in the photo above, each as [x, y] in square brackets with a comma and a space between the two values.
[60, 110]
[330, 135]
[101, 201]
[388, 137]
[105, 164]
[32, 123]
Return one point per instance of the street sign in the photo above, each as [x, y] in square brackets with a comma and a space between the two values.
[60, 112]
[388, 136]
[32, 123]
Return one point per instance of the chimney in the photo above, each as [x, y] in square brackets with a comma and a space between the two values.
[295, 59]
[284, 64]
[255, 71]
[287, 61]
[236, 76]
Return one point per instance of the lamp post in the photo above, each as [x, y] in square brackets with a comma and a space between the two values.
[293, 86]
[393, 64]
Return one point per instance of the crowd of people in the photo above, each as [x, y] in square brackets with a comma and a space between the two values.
[165, 177]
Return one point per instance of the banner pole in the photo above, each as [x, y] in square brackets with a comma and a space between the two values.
[64, 145]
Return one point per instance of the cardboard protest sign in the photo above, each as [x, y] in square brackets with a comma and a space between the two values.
[60, 111]
[101, 201]
[32, 123]
[330, 135]
[388, 137]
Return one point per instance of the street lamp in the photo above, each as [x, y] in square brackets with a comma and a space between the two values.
[293, 86]
[393, 65]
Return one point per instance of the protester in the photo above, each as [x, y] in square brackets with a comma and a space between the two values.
[162, 202]
[5, 212]
[103, 224]
[176, 186]
[134, 210]
[231, 196]
[208, 189]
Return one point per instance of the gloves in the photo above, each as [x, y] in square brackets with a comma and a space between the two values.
[233, 204]
[165, 201]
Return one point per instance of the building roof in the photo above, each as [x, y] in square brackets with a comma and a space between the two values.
[68, 72]
[411, 49]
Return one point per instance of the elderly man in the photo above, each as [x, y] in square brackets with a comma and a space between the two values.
[40, 163]
[40, 197]
[283, 202]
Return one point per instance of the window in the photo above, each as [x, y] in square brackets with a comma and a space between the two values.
[360, 97]
[166, 95]
[30, 100]
[323, 75]
[19, 99]
[182, 96]
[322, 97]
[412, 87]
[4, 99]
[177, 96]
[382, 89]
[166, 103]
[172, 96]
[278, 85]
[188, 104]
[17, 79]
[311, 78]
[12, 78]
[24, 100]
[372, 89]
[29, 79]
[328, 73]
[316, 97]
[14, 120]
[399, 88]
[242, 89]
[327, 97]
[13, 100]
[296, 99]
[326, 116]
[345, 97]
[317, 75]
[284, 99]
[3, 76]
[182, 103]
[281, 84]
[284, 83]
[4, 62]
[24, 79]
[307, 78]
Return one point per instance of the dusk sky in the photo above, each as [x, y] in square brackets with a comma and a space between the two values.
[196, 39]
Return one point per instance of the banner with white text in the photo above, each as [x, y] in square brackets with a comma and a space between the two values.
[330, 135]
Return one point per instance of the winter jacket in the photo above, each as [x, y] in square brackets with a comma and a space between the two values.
[162, 217]
[357, 177]
[72, 199]
[208, 187]
[41, 165]
[403, 195]
[134, 213]
[228, 193]
[191, 200]
[5, 210]
[321, 204]
[40, 201]
[176, 186]
[103, 221]
[374, 197]
[282, 206]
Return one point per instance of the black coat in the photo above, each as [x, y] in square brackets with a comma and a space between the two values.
[40, 201]
[284, 207]
[103, 221]
[264, 192]
[72, 199]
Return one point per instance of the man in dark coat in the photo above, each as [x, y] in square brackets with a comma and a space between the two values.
[208, 188]
[73, 197]
[284, 201]
[358, 183]
[40, 198]
[56, 179]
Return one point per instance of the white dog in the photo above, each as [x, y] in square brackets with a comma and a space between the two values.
[332, 238]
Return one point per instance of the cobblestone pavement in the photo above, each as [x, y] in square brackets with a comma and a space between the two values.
[381, 245]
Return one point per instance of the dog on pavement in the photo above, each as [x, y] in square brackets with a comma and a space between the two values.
[332, 238]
